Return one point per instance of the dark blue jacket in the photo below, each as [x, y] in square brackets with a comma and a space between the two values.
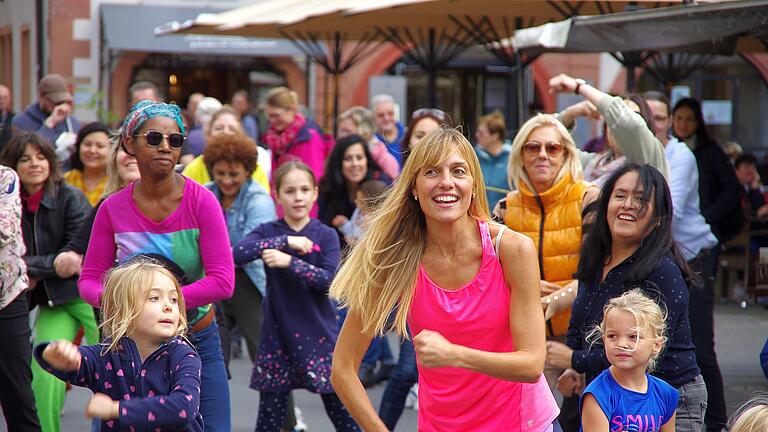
[666, 284]
[161, 392]
[33, 120]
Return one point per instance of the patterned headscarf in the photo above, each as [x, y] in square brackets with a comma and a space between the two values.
[147, 109]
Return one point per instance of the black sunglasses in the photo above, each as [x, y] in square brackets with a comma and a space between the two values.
[155, 138]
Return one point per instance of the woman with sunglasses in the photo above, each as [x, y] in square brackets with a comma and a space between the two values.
[164, 213]
[52, 212]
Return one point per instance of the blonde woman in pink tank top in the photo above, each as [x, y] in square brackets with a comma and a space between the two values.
[428, 255]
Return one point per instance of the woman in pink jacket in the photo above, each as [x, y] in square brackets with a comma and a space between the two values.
[291, 136]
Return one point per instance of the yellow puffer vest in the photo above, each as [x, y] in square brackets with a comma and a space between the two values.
[559, 211]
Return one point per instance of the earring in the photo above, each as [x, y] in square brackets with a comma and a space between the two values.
[473, 195]
[416, 197]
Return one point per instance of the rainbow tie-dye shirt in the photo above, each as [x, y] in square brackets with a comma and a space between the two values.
[194, 236]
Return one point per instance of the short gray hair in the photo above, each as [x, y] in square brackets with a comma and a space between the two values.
[382, 98]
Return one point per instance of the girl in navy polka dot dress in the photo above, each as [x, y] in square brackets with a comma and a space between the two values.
[299, 330]
[144, 375]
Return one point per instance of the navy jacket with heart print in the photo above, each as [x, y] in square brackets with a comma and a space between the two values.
[160, 394]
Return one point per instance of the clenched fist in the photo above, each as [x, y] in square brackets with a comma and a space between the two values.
[62, 355]
[103, 407]
[433, 350]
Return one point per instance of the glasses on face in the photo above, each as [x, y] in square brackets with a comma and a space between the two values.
[155, 138]
[427, 112]
[533, 148]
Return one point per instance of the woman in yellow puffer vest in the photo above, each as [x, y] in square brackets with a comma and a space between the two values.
[547, 207]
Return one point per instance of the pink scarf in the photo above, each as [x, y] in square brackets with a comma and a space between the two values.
[280, 141]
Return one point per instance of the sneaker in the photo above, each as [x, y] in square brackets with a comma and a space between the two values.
[412, 400]
[301, 425]
[236, 350]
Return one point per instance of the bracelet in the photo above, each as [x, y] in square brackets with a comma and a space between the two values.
[579, 82]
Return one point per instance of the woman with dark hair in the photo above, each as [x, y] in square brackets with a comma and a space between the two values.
[348, 166]
[52, 214]
[89, 161]
[629, 245]
[720, 199]
[165, 213]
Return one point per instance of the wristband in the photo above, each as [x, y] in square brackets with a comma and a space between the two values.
[579, 82]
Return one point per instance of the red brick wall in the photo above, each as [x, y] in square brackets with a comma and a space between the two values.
[62, 50]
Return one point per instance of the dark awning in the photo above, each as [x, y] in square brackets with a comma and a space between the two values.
[131, 28]
[717, 28]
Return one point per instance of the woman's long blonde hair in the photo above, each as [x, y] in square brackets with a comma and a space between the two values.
[571, 164]
[125, 291]
[114, 182]
[379, 275]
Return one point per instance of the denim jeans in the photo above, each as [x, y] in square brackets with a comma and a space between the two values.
[400, 381]
[692, 406]
[214, 389]
[378, 351]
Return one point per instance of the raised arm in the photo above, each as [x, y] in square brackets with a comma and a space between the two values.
[629, 129]
[76, 365]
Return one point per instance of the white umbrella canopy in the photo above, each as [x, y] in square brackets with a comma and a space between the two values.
[355, 19]
[431, 32]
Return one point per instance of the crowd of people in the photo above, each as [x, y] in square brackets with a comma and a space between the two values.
[531, 284]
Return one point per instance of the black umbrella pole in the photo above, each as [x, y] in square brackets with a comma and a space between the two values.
[432, 87]
[631, 78]
[336, 77]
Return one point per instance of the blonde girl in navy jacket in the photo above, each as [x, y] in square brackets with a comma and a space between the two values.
[144, 375]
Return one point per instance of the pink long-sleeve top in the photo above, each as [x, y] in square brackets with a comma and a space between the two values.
[194, 236]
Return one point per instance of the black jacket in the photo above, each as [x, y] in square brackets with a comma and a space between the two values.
[719, 191]
[79, 242]
[46, 232]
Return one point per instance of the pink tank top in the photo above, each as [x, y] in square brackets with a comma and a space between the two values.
[477, 316]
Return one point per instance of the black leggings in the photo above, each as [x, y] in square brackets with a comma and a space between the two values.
[273, 408]
[16, 398]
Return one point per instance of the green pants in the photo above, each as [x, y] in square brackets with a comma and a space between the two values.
[54, 323]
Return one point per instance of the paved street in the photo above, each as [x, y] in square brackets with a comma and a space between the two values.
[740, 337]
